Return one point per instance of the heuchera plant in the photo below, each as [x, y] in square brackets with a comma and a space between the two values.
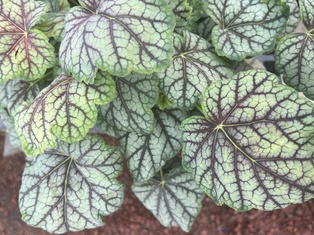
[170, 80]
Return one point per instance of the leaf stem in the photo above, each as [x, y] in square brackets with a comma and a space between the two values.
[161, 176]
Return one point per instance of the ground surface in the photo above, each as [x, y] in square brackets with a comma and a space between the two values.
[134, 219]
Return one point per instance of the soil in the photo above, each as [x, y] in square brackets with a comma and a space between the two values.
[134, 219]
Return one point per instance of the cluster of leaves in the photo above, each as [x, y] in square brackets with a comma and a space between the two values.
[169, 79]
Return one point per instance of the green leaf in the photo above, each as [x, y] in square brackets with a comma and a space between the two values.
[173, 198]
[25, 52]
[307, 13]
[70, 187]
[245, 28]
[65, 109]
[163, 103]
[294, 16]
[294, 58]
[53, 25]
[146, 154]
[204, 27]
[53, 22]
[131, 111]
[182, 12]
[197, 9]
[193, 68]
[117, 36]
[254, 147]
[14, 94]
[57, 5]
[20, 93]
[102, 125]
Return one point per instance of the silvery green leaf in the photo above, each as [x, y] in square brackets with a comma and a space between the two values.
[193, 68]
[13, 95]
[307, 13]
[70, 187]
[254, 147]
[182, 12]
[173, 198]
[117, 36]
[131, 109]
[53, 22]
[146, 154]
[294, 58]
[246, 28]
[25, 51]
[204, 27]
[294, 16]
[66, 109]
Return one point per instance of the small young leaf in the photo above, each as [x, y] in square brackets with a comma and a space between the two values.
[65, 109]
[193, 68]
[25, 52]
[131, 111]
[254, 147]
[117, 36]
[174, 198]
[246, 28]
[70, 187]
[307, 13]
[294, 58]
[146, 154]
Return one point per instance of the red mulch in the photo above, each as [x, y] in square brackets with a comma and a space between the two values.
[134, 219]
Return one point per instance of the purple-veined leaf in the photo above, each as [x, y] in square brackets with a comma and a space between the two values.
[117, 36]
[254, 147]
[70, 187]
[65, 109]
[24, 52]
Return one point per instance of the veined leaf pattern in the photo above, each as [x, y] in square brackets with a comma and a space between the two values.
[294, 58]
[146, 154]
[194, 67]
[66, 109]
[117, 36]
[307, 13]
[254, 147]
[246, 28]
[70, 187]
[25, 52]
[173, 198]
[131, 111]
